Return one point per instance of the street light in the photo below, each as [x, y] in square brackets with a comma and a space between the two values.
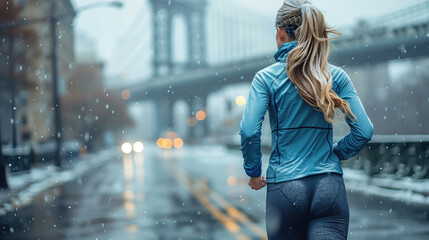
[53, 19]
[115, 4]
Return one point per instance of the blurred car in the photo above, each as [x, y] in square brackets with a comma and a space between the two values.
[70, 149]
[45, 151]
[169, 140]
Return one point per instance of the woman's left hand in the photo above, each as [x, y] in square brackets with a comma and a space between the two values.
[257, 182]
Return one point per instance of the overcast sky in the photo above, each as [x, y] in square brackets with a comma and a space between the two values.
[106, 26]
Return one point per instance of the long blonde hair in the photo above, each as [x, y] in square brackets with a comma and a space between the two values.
[307, 63]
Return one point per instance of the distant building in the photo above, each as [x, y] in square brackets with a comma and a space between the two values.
[85, 79]
[91, 113]
[32, 62]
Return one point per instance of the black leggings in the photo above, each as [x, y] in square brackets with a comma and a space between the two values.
[314, 208]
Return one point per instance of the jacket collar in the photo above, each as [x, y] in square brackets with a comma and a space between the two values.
[284, 50]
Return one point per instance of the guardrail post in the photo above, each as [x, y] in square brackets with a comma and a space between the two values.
[393, 158]
[378, 155]
[408, 158]
[421, 167]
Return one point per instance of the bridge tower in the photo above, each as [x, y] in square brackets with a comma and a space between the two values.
[194, 12]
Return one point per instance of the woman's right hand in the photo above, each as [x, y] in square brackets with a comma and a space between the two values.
[257, 183]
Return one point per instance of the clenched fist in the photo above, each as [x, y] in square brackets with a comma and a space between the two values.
[257, 183]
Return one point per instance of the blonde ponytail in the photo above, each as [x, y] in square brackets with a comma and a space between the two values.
[307, 64]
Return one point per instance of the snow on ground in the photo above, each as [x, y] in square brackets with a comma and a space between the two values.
[20, 180]
[25, 187]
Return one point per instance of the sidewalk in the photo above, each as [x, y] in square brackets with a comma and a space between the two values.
[24, 187]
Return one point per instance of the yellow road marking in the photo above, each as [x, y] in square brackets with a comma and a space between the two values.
[234, 213]
[238, 215]
[228, 222]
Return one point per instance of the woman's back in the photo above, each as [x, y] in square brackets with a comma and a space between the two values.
[302, 140]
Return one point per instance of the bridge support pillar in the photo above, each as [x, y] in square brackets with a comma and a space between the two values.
[164, 115]
[191, 135]
[204, 123]
[197, 128]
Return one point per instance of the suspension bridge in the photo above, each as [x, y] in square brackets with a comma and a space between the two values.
[225, 46]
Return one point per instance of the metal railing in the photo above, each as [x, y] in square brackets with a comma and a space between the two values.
[394, 155]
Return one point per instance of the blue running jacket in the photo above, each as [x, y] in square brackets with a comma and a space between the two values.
[302, 140]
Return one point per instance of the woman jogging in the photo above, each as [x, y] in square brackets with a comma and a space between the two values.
[306, 197]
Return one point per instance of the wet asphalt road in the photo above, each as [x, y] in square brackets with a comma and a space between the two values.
[193, 193]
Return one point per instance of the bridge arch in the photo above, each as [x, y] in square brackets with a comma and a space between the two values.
[180, 45]
[194, 13]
